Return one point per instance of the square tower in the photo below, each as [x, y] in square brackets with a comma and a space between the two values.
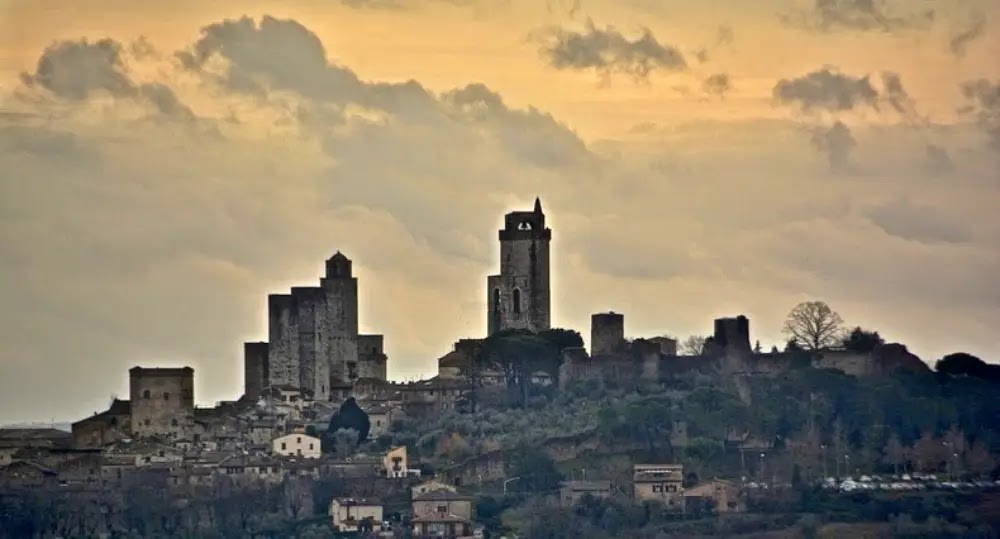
[519, 298]
[162, 401]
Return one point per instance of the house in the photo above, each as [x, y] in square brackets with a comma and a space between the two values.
[296, 445]
[353, 514]
[724, 496]
[659, 482]
[27, 474]
[396, 464]
[380, 417]
[442, 513]
[429, 486]
[571, 492]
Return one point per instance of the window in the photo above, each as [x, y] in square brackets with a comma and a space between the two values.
[298, 440]
[442, 509]
[516, 300]
[146, 423]
[173, 422]
[166, 396]
[657, 488]
[283, 446]
[496, 300]
[378, 422]
[145, 394]
[310, 447]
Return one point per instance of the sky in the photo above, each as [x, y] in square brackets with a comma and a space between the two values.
[166, 166]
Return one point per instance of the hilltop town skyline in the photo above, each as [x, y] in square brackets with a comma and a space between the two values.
[159, 181]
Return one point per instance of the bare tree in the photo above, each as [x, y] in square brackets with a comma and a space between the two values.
[813, 325]
[693, 346]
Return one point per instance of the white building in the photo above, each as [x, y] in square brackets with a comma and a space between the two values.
[349, 514]
[296, 445]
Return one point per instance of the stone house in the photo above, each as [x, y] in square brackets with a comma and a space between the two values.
[724, 496]
[27, 474]
[297, 445]
[659, 482]
[105, 428]
[350, 514]
[380, 417]
[442, 513]
[570, 492]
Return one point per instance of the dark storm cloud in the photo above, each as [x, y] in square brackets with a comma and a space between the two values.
[607, 51]
[984, 106]
[961, 38]
[858, 15]
[836, 143]
[826, 89]
[717, 84]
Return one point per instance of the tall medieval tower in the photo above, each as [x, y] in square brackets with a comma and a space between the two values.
[519, 298]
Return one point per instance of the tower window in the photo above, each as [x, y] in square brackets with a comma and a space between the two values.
[145, 394]
[517, 301]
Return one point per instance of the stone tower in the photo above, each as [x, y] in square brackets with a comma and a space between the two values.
[338, 322]
[162, 401]
[607, 333]
[519, 298]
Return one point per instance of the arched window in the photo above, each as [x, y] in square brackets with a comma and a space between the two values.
[517, 301]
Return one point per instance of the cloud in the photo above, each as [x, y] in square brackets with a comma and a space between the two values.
[79, 70]
[897, 96]
[983, 99]
[837, 143]
[962, 37]
[856, 15]
[937, 161]
[826, 89]
[724, 36]
[608, 51]
[717, 84]
[920, 223]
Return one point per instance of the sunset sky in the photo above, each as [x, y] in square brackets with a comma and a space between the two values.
[166, 165]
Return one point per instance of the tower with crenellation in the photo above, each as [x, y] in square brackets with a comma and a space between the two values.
[520, 296]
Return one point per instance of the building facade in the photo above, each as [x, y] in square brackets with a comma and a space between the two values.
[660, 482]
[520, 296]
[296, 445]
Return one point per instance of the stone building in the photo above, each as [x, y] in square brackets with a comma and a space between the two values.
[519, 297]
[161, 401]
[442, 513]
[607, 333]
[105, 428]
[256, 371]
[313, 341]
[659, 482]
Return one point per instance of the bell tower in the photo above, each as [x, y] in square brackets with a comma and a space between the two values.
[520, 296]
